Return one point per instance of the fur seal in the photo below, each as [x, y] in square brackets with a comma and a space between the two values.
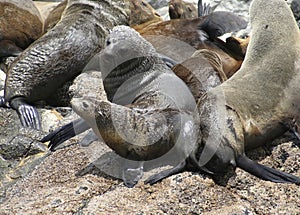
[145, 118]
[201, 72]
[20, 25]
[200, 33]
[178, 9]
[258, 103]
[60, 54]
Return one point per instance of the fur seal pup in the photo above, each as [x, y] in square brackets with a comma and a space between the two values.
[179, 9]
[60, 54]
[20, 25]
[258, 103]
[145, 118]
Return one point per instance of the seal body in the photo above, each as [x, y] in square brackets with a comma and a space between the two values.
[20, 25]
[259, 101]
[144, 119]
[61, 54]
[200, 33]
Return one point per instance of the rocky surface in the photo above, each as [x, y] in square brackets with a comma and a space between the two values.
[86, 180]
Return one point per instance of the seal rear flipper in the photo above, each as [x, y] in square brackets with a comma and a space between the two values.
[166, 173]
[64, 133]
[28, 114]
[264, 172]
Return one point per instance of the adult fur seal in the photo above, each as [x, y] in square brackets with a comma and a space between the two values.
[20, 25]
[60, 54]
[258, 103]
[145, 118]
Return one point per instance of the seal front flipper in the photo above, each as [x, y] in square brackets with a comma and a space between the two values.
[166, 173]
[64, 133]
[28, 114]
[264, 172]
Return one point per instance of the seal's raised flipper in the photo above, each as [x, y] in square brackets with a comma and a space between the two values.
[166, 173]
[28, 114]
[264, 172]
[204, 9]
[65, 132]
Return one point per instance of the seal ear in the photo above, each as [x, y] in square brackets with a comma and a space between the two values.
[264, 172]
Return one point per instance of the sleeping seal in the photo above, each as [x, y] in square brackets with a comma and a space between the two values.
[20, 25]
[60, 54]
[258, 103]
[146, 118]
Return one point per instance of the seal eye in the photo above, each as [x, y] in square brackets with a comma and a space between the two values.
[108, 42]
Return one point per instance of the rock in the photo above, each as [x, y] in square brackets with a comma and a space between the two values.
[88, 84]
[45, 8]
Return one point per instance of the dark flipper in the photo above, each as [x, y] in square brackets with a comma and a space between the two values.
[220, 22]
[264, 172]
[204, 9]
[65, 132]
[166, 173]
[28, 114]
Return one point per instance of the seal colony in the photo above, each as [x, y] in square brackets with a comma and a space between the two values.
[260, 100]
[60, 54]
[253, 107]
[145, 118]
